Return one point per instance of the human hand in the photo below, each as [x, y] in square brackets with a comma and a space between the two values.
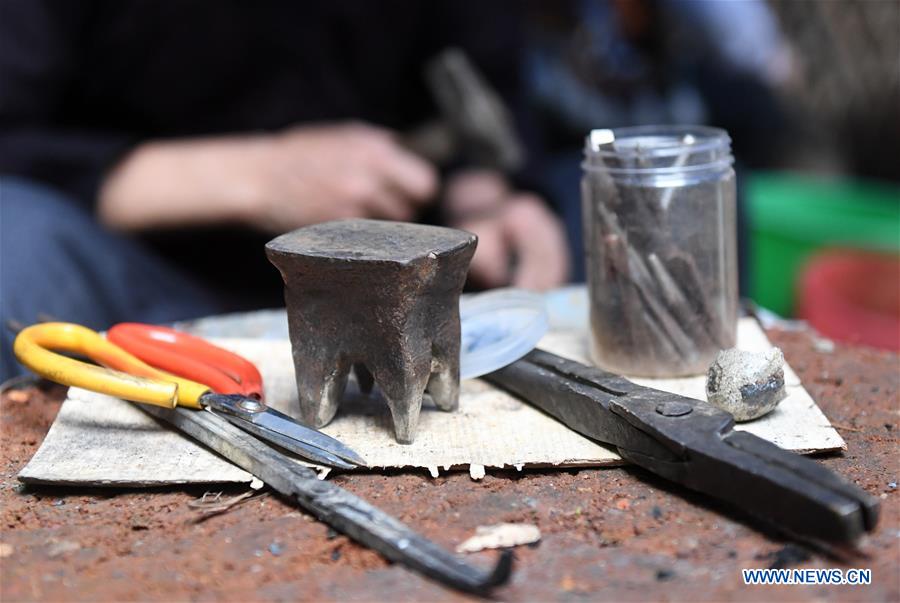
[318, 173]
[520, 241]
[274, 183]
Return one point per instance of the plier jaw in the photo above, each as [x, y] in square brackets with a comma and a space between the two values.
[259, 419]
[693, 443]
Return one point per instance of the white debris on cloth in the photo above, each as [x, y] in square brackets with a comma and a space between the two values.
[99, 440]
[500, 536]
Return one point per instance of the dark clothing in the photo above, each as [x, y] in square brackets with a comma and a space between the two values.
[83, 81]
[57, 261]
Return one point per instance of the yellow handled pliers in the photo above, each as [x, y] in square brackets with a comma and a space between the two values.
[130, 378]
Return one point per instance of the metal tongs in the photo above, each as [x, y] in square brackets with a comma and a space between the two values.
[694, 444]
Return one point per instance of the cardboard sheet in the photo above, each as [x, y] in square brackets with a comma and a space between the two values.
[100, 440]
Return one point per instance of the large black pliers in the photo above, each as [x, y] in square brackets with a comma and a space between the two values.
[693, 443]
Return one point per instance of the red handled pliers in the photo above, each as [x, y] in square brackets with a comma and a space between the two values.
[188, 356]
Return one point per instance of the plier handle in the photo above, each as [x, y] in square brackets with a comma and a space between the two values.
[125, 376]
[189, 356]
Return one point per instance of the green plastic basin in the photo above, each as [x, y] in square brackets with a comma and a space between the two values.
[792, 216]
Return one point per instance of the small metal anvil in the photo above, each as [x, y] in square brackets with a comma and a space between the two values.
[382, 298]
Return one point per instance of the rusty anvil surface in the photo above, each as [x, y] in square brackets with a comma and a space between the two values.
[381, 298]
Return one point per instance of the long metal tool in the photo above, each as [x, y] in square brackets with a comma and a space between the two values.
[693, 443]
[333, 505]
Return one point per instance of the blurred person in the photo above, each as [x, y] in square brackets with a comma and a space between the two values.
[615, 63]
[149, 149]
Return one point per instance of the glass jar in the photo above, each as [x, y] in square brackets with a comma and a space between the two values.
[660, 234]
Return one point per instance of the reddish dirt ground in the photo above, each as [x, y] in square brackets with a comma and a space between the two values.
[608, 534]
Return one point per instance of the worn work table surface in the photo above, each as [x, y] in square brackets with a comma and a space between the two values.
[608, 534]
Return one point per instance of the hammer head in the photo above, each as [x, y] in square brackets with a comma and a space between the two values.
[381, 298]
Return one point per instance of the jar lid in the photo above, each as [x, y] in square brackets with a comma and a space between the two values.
[672, 152]
[499, 327]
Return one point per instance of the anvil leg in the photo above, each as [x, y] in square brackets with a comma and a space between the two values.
[443, 385]
[321, 381]
[402, 380]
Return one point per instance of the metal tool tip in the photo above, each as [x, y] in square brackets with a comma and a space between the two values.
[502, 571]
[356, 459]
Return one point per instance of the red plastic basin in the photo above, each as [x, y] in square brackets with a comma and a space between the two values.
[853, 296]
